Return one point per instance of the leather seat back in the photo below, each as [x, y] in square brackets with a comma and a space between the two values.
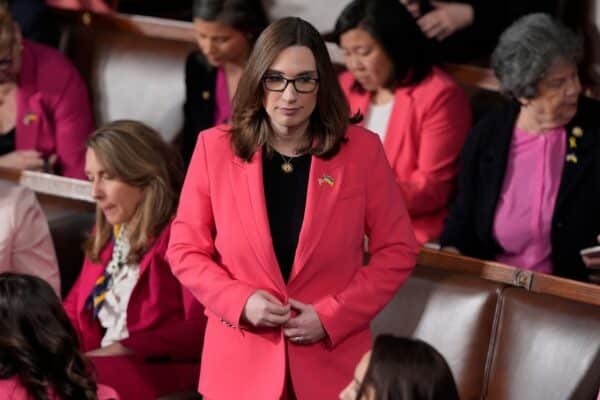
[545, 348]
[454, 312]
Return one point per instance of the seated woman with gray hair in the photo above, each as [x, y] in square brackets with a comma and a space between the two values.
[529, 180]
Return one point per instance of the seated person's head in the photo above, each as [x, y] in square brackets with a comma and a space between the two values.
[227, 29]
[536, 63]
[10, 46]
[136, 179]
[38, 345]
[383, 46]
[401, 369]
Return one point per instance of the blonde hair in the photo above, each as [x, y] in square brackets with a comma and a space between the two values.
[7, 26]
[136, 154]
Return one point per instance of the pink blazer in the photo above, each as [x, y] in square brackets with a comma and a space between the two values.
[164, 320]
[97, 6]
[12, 389]
[53, 108]
[221, 249]
[424, 137]
[25, 242]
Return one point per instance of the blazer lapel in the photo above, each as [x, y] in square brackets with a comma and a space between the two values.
[325, 180]
[248, 189]
[399, 124]
[29, 113]
[577, 159]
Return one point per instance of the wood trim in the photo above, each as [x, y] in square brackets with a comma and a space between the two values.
[9, 174]
[135, 24]
[472, 75]
[497, 272]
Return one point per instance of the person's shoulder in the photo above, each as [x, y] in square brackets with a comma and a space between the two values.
[49, 61]
[361, 139]
[346, 80]
[217, 136]
[13, 196]
[12, 389]
[196, 63]
[436, 83]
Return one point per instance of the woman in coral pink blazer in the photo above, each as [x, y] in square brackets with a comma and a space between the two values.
[420, 113]
[46, 114]
[142, 329]
[270, 229]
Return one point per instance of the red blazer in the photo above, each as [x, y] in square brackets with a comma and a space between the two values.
[163, 319]
[425, 133]
[53, 109]
[221, 249]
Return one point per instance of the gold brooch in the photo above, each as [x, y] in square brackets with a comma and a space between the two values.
[577, 131]
[205, 95]
[571, 157]
[29, 118]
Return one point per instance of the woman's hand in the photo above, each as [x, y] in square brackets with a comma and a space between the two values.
[413, 7]
[263, 310]
[592, 261]
[23, 159]
[115, 349]
[445, 19]
[306, 327]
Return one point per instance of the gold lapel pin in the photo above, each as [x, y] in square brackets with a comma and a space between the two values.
[577, 131]
[572, 142]
[205, 95]
[572, 158]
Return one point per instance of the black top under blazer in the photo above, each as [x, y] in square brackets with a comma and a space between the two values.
[576, 217]
[199, 106]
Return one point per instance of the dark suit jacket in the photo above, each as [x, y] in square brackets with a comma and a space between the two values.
[576, 217]
[199, 107]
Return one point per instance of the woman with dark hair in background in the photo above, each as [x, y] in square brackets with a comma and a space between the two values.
[142, 328]
[529, 181]
[225, 31]
[401, 369]
[39, 349]
[270, 229]
[421, 115]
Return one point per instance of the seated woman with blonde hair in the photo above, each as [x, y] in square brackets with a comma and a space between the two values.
[39, 355]
[142, 328]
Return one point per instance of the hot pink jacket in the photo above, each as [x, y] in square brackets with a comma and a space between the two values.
[221, 249]
[164, 320]
[53, 108]
[425, 134]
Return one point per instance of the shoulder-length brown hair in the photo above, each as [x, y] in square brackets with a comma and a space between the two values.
[138, 156]
[251, 129]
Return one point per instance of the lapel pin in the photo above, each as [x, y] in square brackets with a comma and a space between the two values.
[572, 142]
[577, 131]
[29, 118]
[326, 179]
[205, 95]
[571, 157]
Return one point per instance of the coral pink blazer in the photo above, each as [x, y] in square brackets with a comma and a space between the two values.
[424, 137]
[164, 320]
[53, 109]
[221, 249]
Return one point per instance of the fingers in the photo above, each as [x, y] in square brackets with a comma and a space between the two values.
[297, 305]
[268, 296]
[430, 24]
[277, 309]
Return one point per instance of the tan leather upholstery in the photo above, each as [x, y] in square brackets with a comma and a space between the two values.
[453, 312]
[132, 76]
[545, 348]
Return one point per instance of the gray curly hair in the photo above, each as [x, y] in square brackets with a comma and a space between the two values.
[528, 48]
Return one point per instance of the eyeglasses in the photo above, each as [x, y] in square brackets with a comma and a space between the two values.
[302, 84]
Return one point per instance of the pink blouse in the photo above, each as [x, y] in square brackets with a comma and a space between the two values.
[222, 103]
[523, 221]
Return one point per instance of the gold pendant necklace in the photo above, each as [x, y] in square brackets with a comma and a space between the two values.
[287, 166]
